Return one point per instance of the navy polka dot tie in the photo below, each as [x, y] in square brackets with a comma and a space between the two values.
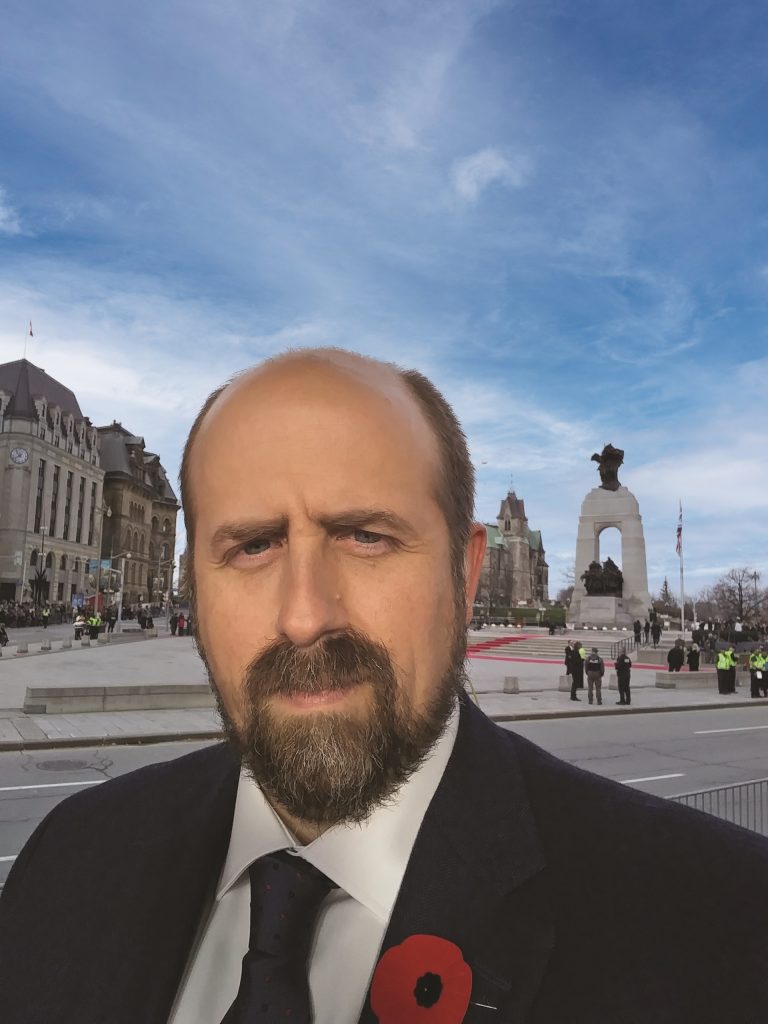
[286, 893]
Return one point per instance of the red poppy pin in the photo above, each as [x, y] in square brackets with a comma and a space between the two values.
[424, 980]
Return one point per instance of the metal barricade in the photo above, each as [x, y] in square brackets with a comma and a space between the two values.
[744, 804]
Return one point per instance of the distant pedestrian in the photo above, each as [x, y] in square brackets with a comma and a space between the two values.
[656, 632]
[181, 623]
[676, 656]
[189, 624]
[46, 616]
[638, 631]
[80, 625]
[693, 658]
[174, 623]
[595, 668]
[577, 669]
[623, 673]
[647, 630]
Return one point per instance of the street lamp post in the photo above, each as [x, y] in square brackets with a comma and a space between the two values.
[122, 556]
[105, 511]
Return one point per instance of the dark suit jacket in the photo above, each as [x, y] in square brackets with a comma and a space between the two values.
[574, 900]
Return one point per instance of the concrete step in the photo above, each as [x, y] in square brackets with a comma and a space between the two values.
[57, 700]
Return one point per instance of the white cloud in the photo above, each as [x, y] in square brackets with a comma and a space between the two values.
[9, 219]
[474, 173]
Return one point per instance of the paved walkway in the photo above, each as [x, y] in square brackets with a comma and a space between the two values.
[173, 660]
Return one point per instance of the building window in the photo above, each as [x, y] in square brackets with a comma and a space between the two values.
[39, 498]
[54, 501]
[63, 563]
[33, 558]
[80, 503]
[93, 511]
[67, 507]
[141, 544]
[49, 560]
[60, 591]
[77, 566]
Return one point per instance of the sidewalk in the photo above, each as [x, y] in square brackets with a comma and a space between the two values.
[29, 732]
[173, 661]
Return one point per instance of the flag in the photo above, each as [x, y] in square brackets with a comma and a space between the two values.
[679, 541]
[30, 330]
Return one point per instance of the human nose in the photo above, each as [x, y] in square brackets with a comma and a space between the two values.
[311, 603]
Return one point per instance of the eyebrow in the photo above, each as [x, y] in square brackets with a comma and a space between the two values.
[354, 517]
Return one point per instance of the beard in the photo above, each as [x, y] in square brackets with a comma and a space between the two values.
[331, 767]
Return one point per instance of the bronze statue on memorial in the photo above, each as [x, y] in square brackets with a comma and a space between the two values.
[604, 580]
[608, 462]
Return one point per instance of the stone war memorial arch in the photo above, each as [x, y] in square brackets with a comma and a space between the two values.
[603, 594]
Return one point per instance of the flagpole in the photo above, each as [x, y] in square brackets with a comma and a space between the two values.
[682, 577]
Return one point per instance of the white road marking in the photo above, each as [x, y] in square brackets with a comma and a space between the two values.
[742, 728]
[653, 778]
[9, 858]
[51, 785]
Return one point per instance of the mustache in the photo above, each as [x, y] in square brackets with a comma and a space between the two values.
[336, 663]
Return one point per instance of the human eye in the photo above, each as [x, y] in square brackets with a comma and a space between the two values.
[367, 537]
[251, 551]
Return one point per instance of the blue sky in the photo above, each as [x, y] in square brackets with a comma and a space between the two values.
[558, 211]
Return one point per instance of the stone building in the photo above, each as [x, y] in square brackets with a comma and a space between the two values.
[515, 570]
[51, 495]
[140, 520]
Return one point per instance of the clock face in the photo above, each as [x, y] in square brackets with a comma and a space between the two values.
[19, 456]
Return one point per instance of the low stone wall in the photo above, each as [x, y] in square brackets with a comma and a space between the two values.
[58, 700]
[686, 680]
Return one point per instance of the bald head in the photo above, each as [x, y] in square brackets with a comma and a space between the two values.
[398, 405]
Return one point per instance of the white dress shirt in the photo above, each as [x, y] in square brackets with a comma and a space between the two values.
[366, 861]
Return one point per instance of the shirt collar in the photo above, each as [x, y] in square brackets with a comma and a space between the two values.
[366, 860]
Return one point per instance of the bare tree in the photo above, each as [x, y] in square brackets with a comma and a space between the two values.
[565, 593]
[737, 595]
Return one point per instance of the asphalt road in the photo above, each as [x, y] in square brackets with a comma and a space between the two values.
[664, 754]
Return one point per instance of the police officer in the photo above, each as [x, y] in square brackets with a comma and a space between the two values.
[757, 664]
[94, 624]
[726, 671]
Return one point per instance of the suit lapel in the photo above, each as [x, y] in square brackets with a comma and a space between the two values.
[172, 872]
[476, 876]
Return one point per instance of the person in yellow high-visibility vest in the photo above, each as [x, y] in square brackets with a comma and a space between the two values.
[726, 671]
[757, 666]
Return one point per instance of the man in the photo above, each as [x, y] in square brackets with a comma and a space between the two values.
[94, 624]
[647, 630]
[375, 849]
[577, 669]
[757, 670]
[623, 674]
[676, 657]
[726, 670]
[595, 667]
[638, 628]
[656, 632]
[568, 657]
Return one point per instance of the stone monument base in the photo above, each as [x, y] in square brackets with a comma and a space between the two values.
[601, 611]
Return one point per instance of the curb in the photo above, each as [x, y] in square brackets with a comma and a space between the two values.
[119, 740]
[190, 736]
[633, 709]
